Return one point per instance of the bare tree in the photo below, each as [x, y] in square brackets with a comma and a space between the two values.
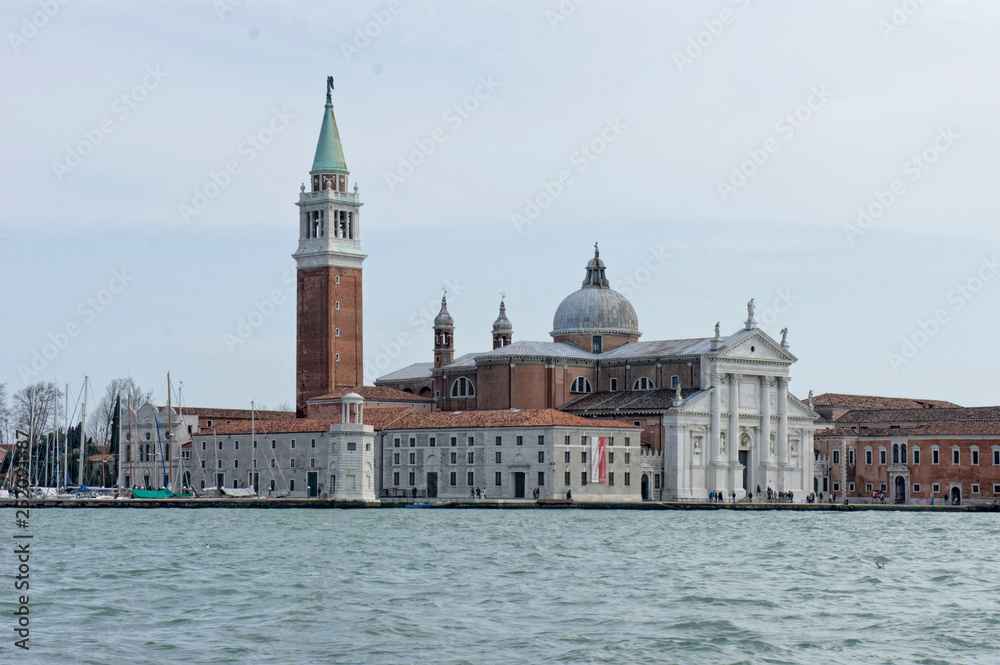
[99, 427]
[34, 405]
[6, 417]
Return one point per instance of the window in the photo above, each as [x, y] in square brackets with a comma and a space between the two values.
[412, 478]
[499, 479]
[614, 384]
[291, 485]
[520, 440]
[209, 423]
[656, 481]
[567, 479]
[881, 456]
[336, 332]
[675, 381]
[611, 458]
[312, 462]
[312, 443]
[454, 441]
[219, 464]
[472, 458]
[611, 441]
[236, 464]
[583, 478]
[567, 457]
[935, 455]
[413, 458]
[975, 456]
[472, 440]
[453, 478]
[432, 441]
[850, 456]
[583, 457]
[293, 443]
[336, 305]
[836, 487]
[868, 487]
[850, 487]
[642, 383]
[202, 484]
[627, 456]
[499, 457]
[916, 487]
[628, 479]
[595, 344]
[541, 457]
[916, 455]
[996, 488]
[395, 458]
[220, 445]
[274, 462]
[499, 440]
[627, 441]
[204, 445]
[336, 357]
[274, 444]
[954, 456]
[413, 442]
[996, 456]
[395, 442]
[611, 479]
[836, 457]
[541, 439]
[975, 488]
[935, 488]
[454, 458]
[541, 478]
[881, 487]
[462, 387]
[470, 479]
[351, 445]
[291, 463]
[584, 441]
[202, 464]
[868, 456]
[580, 385]
[336, 279]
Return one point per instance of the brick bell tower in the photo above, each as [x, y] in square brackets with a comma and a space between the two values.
[328, 262]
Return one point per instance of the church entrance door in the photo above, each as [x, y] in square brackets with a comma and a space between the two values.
[900, 489]
[519, 485]
[745, 461]
[432, 485]
[956, 495]
[645, 487]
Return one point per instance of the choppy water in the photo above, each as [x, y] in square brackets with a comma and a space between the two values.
[522, 586]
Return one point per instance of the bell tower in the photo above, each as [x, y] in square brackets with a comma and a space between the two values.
[328, 265]
[444, 332]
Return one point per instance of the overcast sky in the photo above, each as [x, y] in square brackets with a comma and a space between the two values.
[836, 161]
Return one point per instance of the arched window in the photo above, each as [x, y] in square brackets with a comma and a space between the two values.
[580, 385]
[642, 383]
[902, 453]
[462, 388]
[895, 453]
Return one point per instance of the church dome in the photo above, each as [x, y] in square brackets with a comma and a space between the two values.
[502, 324]
[596, 308]
[443, 319]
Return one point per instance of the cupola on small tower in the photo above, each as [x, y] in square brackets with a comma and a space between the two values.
[502, 330]
[444, 329]
[328, 261]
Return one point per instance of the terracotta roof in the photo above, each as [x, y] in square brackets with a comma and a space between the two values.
[921, 415]
[377, 393]
[874, 402]
[378, 418]
[235, 414]
[952, 428]
[502, 418]
[627, 400]
[101, 458]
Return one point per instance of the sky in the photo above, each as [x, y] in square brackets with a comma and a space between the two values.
[835, 161]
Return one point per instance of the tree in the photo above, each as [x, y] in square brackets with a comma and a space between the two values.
[33, 409]
[6, 416]
[100, 426]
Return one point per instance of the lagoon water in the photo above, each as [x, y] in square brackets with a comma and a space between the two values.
[298, 587]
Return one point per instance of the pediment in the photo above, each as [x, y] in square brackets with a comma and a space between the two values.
[756, 345]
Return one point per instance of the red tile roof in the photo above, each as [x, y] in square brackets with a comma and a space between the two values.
[235, 414]
[503, 418]
[844, 401]
[378, 418]
[921, 415]
[953, 428]
[376, 393]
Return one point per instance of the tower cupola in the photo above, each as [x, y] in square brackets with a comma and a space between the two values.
[444, 342]
[502, 329]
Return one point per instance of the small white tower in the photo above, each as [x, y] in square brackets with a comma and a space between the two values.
[352, 453]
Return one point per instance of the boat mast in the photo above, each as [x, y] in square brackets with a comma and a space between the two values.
[180, 416]
[65, 460]
[83, 429]
[31, 434]
[170, 438]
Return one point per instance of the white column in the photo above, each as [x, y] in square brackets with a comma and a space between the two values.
[714, 440]
[733, 437]
[782, 439]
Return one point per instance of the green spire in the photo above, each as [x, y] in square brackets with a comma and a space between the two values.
[329, 154]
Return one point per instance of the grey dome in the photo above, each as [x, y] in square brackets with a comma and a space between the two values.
[502, 324]
[443, 319]
[595, 308]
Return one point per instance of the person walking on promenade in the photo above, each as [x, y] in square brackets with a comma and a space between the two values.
[734, 496]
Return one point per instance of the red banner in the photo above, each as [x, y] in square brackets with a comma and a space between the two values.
[598, 459]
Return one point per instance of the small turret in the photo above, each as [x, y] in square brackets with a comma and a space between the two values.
[502, 330]
[444, 343]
